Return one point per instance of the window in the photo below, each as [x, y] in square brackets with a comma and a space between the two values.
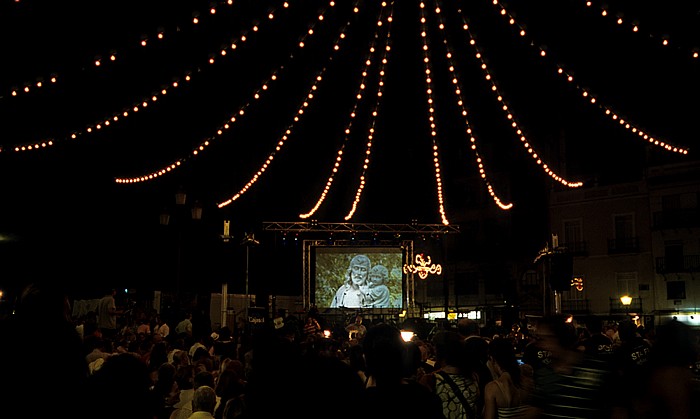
[573, 235]
[671, 202]
[675, 290]
[673, 255]
[624, 240]
[531, 280]
[624, 227]
[626, 284]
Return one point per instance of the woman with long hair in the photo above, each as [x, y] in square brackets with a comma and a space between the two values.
[506, 395]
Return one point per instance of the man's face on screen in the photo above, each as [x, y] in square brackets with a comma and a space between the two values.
[359, 274]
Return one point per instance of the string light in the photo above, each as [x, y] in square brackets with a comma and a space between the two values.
[227, 124]
[509, 116]
[460, 103]
[375, 112]
[431, 112]
[160, 35]
[607, 111]
[663, 40]
[287, 133]
[136, 107]
[348, 128]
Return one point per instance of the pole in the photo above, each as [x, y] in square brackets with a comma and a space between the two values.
[544, 288]
[178, 273]
[557, 302]
[247, 263]
[224, 303]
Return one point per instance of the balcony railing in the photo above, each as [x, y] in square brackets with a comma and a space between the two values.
[687, 263]
[616, 306]
[576, 248]
[575, 306]
[624, 245]
[679, 218]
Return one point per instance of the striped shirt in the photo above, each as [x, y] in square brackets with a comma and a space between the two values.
[582, 393]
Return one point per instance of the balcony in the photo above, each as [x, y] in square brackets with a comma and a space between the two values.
[616, 306]
[679, 264]
[576, 248]
[679, 218]
[623, 245]
[575, 306]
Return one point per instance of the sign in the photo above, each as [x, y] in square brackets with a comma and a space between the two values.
[423, 267]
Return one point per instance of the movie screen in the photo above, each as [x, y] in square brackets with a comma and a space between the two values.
[358, 277]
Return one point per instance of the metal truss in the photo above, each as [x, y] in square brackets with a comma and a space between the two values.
[315, 226]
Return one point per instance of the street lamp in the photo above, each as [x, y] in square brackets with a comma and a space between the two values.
[626, 300]
[248, 240]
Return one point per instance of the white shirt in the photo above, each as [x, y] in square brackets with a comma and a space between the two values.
[201, 415]
[163, 330]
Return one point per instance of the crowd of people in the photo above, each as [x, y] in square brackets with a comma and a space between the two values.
[290, 368]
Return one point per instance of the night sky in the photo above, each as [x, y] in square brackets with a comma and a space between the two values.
[64, 216]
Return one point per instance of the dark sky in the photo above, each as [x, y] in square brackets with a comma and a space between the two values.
[65, 216]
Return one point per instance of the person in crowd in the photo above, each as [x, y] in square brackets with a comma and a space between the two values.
[203, 403]
[356, 330]
[273, 370]
[158, 357]
[161, 327]
[388, 393]
[630, 359]
[413, 361]
[95, 348]
[598, 343]
[672, 391]
[376, 290]
[311, 327]
[573, 384]
[90, 326]
[144, 326]
[184, 410]
[330, 383]
[356, 360]
[230, 388]
[184, 327]
[536, 357]
[107, 313]
[201, 342]
[476, 351]
[506, 396]
[350, 294]
[164, 393]
[43, 361]
[225, 347]
[457, 386]
[120, 389]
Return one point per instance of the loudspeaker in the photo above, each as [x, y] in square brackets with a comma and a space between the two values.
[561, 271]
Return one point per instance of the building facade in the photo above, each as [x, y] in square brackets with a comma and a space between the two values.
[638, 239]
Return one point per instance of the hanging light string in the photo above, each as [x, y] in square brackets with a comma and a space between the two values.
[590, 97]
[359, 96]
[300, 112]
[513, 122]
[375, 112]
[144, 103]
[457, 84]
[431, 111]
[99, 60]
[230, 121]
[633, 25]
